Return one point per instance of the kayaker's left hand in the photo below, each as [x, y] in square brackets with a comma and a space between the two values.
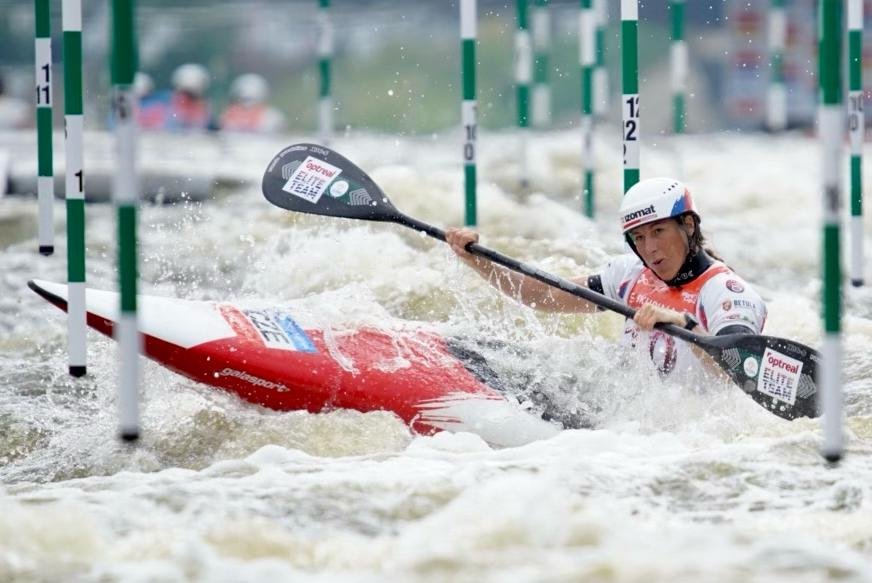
[650, 314]
[458, 238]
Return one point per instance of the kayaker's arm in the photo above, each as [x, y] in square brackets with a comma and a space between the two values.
[527, 290]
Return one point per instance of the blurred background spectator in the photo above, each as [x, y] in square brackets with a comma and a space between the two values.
[189, 107]
[14, 113]
[249, 110]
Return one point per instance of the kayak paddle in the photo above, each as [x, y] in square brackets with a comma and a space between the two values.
[777, 373]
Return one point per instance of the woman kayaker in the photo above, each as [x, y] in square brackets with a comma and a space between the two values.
[670, 277]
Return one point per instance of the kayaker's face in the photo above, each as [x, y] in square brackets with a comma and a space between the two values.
[663, 245]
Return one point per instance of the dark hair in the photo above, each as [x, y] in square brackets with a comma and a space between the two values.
[697, 239]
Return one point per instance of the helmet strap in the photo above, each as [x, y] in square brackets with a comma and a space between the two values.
[694, 265]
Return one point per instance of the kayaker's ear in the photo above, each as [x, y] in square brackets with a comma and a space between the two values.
[688, 224]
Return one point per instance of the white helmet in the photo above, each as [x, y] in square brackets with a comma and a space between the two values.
[191, 78]
[250, 88]
[142, 84]
[654, 199]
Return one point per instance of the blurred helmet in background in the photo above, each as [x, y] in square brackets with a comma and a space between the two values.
[250, 88]
[191, 78]
[142, 84]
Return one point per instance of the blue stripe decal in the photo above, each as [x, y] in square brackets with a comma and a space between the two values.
[296, 335]
[622, 290]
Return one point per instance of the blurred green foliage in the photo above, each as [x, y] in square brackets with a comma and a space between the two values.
[413, 85]
[406, 82]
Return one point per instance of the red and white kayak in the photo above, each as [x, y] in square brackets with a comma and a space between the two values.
[266, 358]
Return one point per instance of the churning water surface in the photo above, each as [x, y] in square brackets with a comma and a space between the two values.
[670, 482]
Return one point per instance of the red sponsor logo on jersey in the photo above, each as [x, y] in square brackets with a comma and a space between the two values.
[663, 351]
[734, 286]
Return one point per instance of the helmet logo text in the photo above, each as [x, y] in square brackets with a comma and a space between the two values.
[648, 210]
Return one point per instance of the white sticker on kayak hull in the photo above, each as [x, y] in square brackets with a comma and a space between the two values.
[278, 330]
[779, 376]
[310, 179]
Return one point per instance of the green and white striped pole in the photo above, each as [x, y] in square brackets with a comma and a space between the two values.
[325, 57]
[125, 192]
[857, 125]
[679, 68]
[44, 99]
[586, 45]
[469, 105]
[541, 58]
[523, 75]
[630, 89]
[75, 186]
[776, 110]
[600, 74]
[831, 127]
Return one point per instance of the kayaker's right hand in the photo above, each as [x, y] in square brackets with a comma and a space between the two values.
[458, 238]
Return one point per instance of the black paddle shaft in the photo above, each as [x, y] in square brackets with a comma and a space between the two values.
[313, 179]
[550, 279]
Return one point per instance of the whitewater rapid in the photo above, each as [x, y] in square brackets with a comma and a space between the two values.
[673, 483]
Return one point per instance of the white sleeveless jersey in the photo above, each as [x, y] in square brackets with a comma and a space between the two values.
[717, 298]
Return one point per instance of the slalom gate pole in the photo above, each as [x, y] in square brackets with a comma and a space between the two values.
[857, 127]
[678, 59]
[44, 100]
[586, 43]
[776, 109]
[74, 191]
[523, 74]
[600, 74]
[469, 106]
[125, 192]
[831, 127]
[541, 50]
[325, 58]
[630, 89]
